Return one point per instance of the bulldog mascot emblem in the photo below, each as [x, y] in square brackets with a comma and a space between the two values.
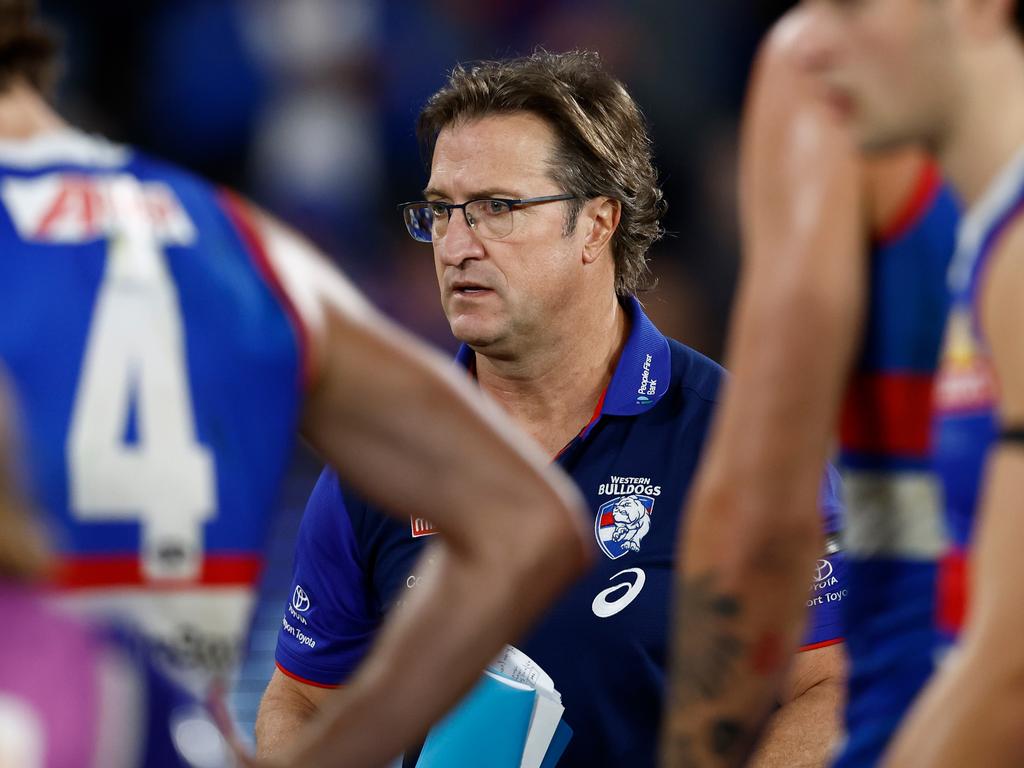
[622, 523]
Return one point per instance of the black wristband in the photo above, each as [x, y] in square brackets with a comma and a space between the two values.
[1011, 435]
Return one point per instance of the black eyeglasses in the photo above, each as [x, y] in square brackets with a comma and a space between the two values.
[491, 217]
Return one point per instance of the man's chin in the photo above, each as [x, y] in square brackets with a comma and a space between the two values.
[471, 331]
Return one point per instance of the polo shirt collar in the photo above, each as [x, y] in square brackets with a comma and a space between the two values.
[644, 369]
[642, 374]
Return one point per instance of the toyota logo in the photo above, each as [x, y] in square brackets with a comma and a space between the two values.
[300, 600]
[823, 571]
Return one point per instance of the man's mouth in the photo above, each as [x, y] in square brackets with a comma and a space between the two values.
[469, 289]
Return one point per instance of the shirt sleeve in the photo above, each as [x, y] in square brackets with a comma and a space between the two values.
[328, 621]
[828, 588]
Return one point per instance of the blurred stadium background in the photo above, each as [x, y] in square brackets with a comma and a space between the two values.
[308, 107]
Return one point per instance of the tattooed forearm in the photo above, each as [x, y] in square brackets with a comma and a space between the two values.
[708, 652]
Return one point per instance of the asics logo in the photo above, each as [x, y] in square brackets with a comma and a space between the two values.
[614, 600]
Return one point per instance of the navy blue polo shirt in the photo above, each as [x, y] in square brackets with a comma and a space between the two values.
[606, 642]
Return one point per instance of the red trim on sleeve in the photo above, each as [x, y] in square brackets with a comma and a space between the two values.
[239, 215]
[823, 644]
[924, 192]
[303, 680]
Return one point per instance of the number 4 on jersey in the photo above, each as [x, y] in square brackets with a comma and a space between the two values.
[135, 363]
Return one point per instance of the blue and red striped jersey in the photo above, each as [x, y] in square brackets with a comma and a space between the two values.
[894, 534]
[157, 366]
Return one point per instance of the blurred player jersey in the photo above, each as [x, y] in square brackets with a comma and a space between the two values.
[965, 423]
[605, 642]
[73, 696]
[894, 535]
[157, 364]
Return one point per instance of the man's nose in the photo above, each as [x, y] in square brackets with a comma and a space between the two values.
[460, 243]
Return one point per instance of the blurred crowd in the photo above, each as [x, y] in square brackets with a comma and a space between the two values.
[309, 106]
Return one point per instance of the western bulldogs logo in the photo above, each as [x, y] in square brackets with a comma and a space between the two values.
[622, 523]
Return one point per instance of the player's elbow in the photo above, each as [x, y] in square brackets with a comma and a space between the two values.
[283, 710]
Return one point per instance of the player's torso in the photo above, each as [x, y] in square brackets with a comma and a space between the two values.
[894, 534]
[158, 378]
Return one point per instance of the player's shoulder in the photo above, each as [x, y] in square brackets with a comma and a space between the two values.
[787, 52]
[194, 191]
[780, 46]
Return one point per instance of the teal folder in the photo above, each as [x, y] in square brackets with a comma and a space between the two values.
[487, 730]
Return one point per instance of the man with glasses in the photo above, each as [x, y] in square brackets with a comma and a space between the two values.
[541, 205]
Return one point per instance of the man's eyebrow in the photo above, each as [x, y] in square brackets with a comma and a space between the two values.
[498, 192]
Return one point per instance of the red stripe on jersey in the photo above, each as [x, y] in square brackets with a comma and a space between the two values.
[293, 676]
[887, 414]
[822, 644]
[951, 606]
[239, 215]
[85, 572]
[927, 187]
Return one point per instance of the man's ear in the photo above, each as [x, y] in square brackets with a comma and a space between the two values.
[603, 214]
